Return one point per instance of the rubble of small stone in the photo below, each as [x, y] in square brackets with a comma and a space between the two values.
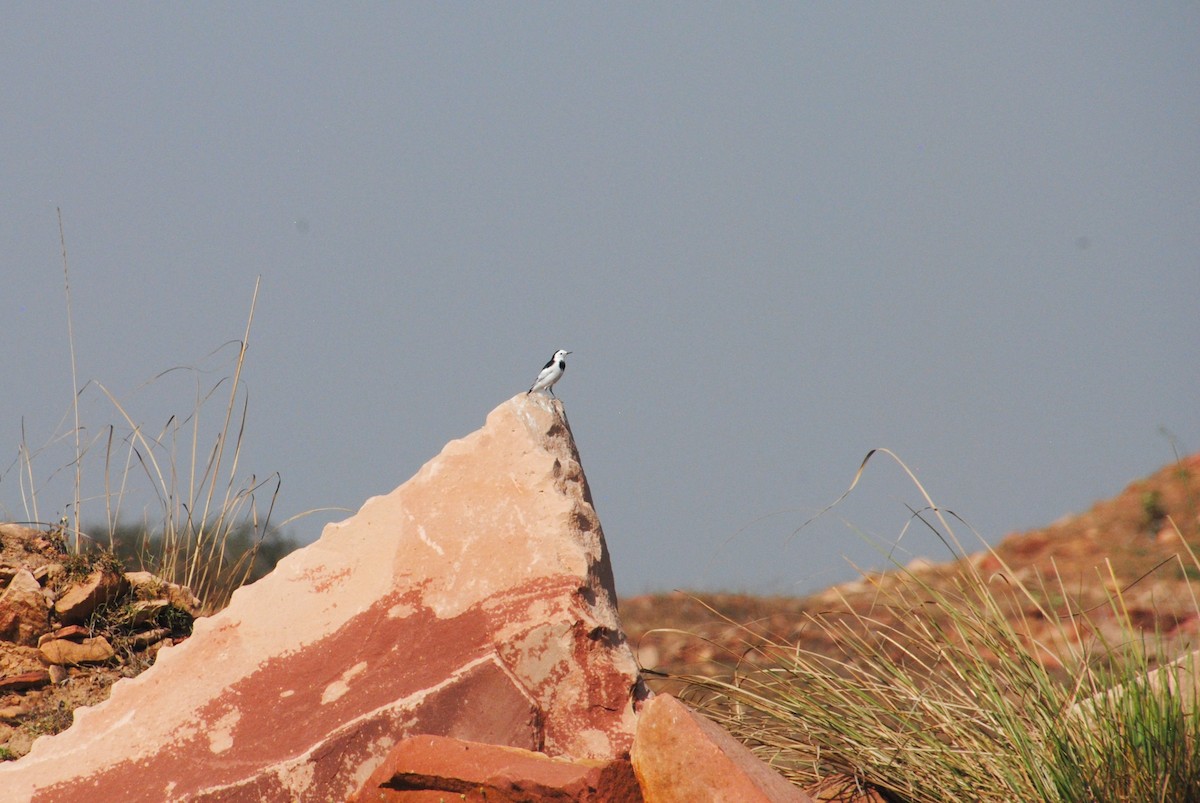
[70, 626]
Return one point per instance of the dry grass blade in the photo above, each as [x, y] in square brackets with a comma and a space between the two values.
[74, 379]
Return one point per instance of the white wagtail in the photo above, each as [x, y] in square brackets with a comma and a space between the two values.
[551, 373]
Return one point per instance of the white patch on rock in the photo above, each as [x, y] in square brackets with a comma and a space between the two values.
[297, 777]
[220, 736]
[401, 611]
[425, 540]
[342, 685]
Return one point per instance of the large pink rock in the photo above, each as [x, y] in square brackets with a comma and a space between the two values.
[475, 601]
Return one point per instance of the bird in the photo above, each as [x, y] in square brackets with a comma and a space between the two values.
[551, 373]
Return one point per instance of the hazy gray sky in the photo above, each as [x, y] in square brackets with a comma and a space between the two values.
[775, 237]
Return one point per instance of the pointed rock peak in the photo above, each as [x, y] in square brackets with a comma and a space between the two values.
[475, 601]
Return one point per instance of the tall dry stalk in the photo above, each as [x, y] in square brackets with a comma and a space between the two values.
[202, 509]
[62, 237]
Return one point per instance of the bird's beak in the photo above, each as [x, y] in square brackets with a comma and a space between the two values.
[570, 352]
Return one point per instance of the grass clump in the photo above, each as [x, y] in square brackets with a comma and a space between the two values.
[200, 520]
[980, 688]
[1136, 741]
[241, 554]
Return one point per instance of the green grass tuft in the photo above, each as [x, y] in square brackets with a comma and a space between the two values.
[956, 692]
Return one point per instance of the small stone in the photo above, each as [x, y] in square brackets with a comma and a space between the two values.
[70, 632]
[13, 713]
[58, 674]
[81, 600]
[89, 651]
[1167, 536]
[24, 614]
[147, 610]
[24, 681]
[48, 572]
[150, 586]
[153, 649]
[149, 637]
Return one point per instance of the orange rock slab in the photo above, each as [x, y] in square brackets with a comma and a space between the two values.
[681, 757]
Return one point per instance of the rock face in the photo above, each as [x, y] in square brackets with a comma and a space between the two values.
[476, 601]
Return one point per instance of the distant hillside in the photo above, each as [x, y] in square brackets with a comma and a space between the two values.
[1137, 541]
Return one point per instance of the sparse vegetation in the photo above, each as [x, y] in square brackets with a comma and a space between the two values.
[52, 720]
[973, 689]
[245, 554]
[1153, 512]
[79, 565]
[952, 700]
[201, 522]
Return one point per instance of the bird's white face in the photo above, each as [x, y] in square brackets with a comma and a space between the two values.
[558, 355]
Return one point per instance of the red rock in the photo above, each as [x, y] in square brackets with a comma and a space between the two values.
[81, 600]
[681, 757]
[26, 680]
[475, 601]
[24, 614]
[71, 632]
[473, 771]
